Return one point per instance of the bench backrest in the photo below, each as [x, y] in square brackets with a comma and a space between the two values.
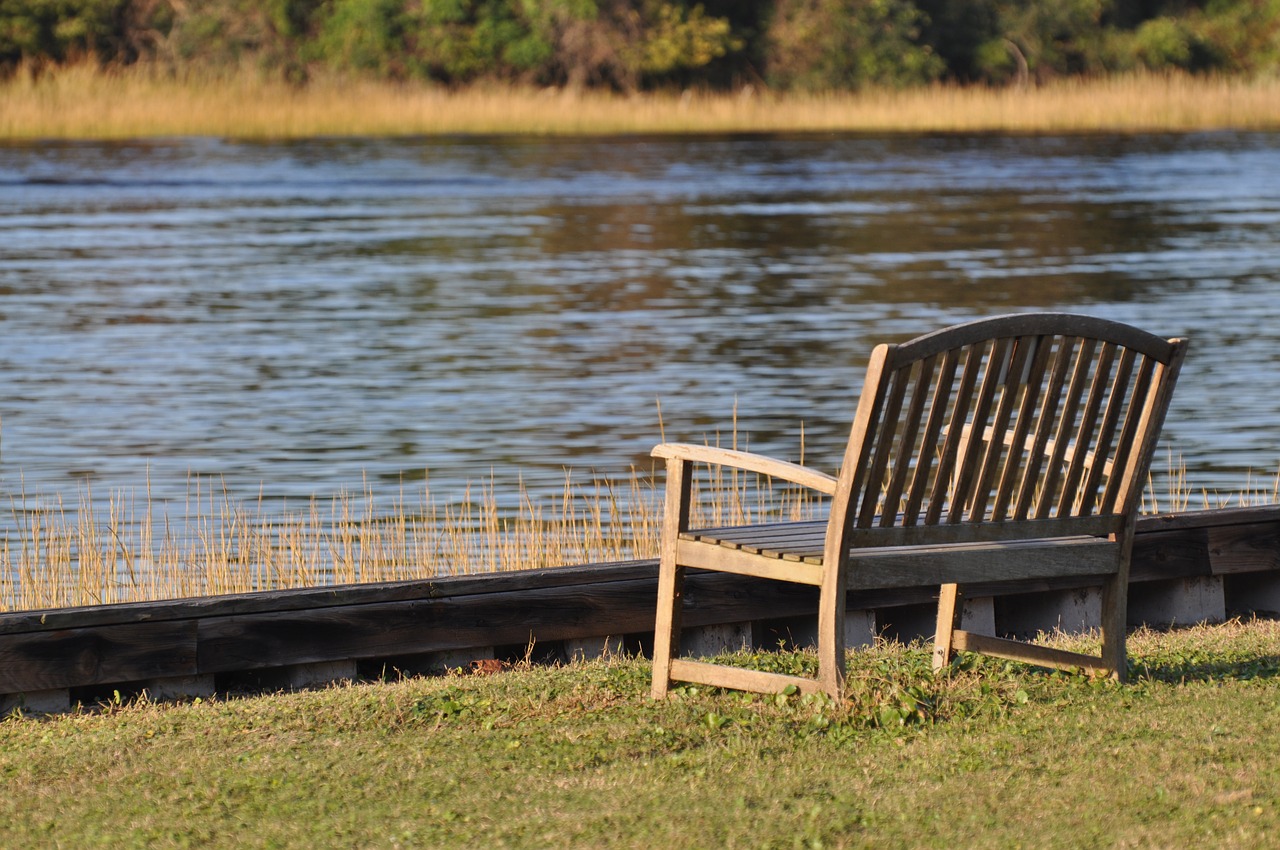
[1034, 425]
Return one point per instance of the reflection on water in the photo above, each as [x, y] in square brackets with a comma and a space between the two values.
[300, 318]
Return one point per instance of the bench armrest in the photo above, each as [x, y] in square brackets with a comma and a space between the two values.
[749, 462]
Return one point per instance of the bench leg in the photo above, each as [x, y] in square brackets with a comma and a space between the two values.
[831, 634]
[1115, 608]
[666, 633]
[666, 629]
[948, 621]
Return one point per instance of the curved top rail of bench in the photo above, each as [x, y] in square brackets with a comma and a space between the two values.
[1034, 324]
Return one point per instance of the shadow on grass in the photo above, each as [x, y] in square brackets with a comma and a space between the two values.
[1207, 661]
[1207, 670]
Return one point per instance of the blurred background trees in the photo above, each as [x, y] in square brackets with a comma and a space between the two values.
[628, 45]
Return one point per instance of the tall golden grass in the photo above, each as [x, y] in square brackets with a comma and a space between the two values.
[80, 102]
[53, 556]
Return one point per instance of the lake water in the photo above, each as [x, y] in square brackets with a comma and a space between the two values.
[311, 317]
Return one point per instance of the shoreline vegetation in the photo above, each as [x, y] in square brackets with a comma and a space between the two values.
[80, 102]
[113, 69]
[55, 555]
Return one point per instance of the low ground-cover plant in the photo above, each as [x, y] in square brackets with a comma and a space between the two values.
[988, 754]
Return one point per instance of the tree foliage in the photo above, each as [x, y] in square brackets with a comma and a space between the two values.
[633, 44]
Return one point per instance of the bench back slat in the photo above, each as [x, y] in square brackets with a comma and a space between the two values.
[1048, 412]
[1107, 429]
[1036, 417]
[1026, 417]
[1068, 501]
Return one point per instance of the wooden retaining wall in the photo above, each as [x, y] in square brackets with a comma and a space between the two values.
[1187, 567]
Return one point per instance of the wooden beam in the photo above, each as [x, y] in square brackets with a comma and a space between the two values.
[39, 661]
[1028, 653]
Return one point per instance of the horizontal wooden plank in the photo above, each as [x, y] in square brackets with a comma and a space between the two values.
[323, 597]
[1028, 653]
[269, 639]
[1180, 553]
[1243, 548]
[37, 661]
[969, 563]
[976, 532]
[722, 676]
[713, 557]
[1214, 518]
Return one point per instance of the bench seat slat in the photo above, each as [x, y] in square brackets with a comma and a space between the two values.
[710, 556]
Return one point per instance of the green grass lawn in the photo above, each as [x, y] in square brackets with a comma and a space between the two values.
[989, 755]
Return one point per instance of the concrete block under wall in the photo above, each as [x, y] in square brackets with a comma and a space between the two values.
[180, 687]
[859, 628]
[585, 649]
[1252, 593]
[978, 615]
[300, 676]
[423, 663]
[705, 641]
[1024, 616]
[905, 623]
[1182, 601]
[801, 632]
[53, 701]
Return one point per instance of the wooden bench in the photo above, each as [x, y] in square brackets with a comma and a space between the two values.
[1004, 449]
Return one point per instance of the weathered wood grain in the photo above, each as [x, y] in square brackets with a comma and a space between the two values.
[63, 658]
[320, 597]
[1243, 548]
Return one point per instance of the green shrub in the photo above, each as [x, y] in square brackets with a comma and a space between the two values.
[847, 44]
[1163, 43]
[36, 31]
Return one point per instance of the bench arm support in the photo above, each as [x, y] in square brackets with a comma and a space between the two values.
[749, 462]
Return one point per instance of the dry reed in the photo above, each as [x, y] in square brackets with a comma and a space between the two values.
[51, 556]
[80, 102]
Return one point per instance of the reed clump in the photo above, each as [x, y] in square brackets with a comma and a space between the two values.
[128, 549]
[82, 102]
[54, 555]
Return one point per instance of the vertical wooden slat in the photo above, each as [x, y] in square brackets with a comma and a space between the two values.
[996, 450]
[1032, 399]
[1067, 504]
[861, 442]
[675, 519]
[955, 433]
[1148, 431]
[946, 376]
[971, 459]
[1066, 422]
[1036, 457]
[1124, 447]
[907, 444]
[890, 414]
[1116, 405]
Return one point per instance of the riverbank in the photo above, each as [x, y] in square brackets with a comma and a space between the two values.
[578, 756]
[79, 103]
